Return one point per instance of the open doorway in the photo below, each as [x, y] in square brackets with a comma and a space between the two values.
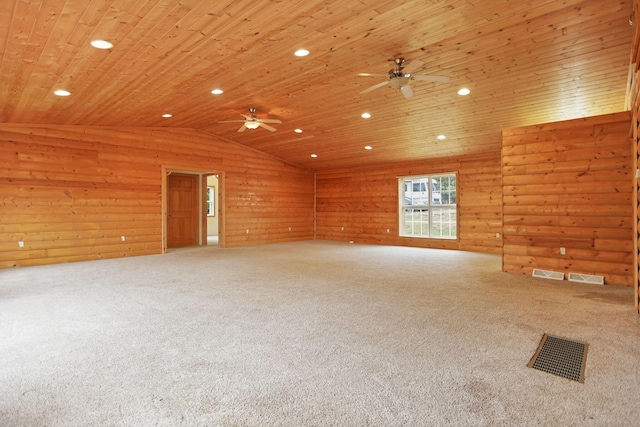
[192, 209]
[212, 191]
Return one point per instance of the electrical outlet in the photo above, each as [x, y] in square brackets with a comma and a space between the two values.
[562, 251]
[247, 231]
[387, 230]
[289, 228]
[123, 238]
[21, 244]
[498, 235]
[342, 228]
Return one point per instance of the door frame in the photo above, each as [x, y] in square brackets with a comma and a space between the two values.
[202, 216]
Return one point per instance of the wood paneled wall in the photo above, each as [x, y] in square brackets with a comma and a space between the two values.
[70, 192]
[365, 202]
[570, 184]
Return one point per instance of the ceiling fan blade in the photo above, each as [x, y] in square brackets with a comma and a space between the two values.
[371, 75]
[441, 79]
[406, 91]
[267, 127]
[374, 87]
[246, 117]
[412, 66]
[232, 121]
[269, 120]
[242, 128]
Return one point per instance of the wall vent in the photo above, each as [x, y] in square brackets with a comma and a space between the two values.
[586, 278]
[548, 274]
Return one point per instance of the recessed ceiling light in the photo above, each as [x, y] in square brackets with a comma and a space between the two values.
[368, 147]
[297, 130]
[365, 115]
[441, 137]
[217, 91]
[301, 52]
[314, 155]
[166, 116]
[61, 92]
[464, 91]
[101, 44]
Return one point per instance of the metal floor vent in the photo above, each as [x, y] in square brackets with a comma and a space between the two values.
[561, 357]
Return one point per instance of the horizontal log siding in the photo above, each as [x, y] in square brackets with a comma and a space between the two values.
[365, 202]
[570, 184]
[70, 192]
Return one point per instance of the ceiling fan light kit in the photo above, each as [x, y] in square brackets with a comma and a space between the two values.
[253, 122]
[399, 82]
[400, 76]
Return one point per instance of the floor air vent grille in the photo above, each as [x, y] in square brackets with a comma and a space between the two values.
[561, 357]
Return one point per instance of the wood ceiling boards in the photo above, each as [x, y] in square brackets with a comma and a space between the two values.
[526, 62]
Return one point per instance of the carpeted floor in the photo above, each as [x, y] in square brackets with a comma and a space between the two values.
[308, 334]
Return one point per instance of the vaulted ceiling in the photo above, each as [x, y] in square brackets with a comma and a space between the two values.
[525, 62]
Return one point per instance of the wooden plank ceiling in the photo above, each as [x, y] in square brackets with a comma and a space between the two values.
[525, 62]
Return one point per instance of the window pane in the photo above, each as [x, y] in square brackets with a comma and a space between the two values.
[448, 190]
[210, 201]
[416, 222]
[436, 190]
[416, 191]
[443, 222]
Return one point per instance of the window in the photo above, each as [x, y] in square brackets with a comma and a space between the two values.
[211, 198]
[428, 206]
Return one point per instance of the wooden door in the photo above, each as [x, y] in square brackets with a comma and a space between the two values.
[182, 210]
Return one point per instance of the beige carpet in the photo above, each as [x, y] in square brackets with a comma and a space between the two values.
[308, 334]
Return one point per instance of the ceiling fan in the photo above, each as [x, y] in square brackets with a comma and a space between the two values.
[252, 122]
[400, 76]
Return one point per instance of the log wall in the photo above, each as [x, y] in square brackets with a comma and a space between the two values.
[361, 204]
[70, 192]
[570, 184]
